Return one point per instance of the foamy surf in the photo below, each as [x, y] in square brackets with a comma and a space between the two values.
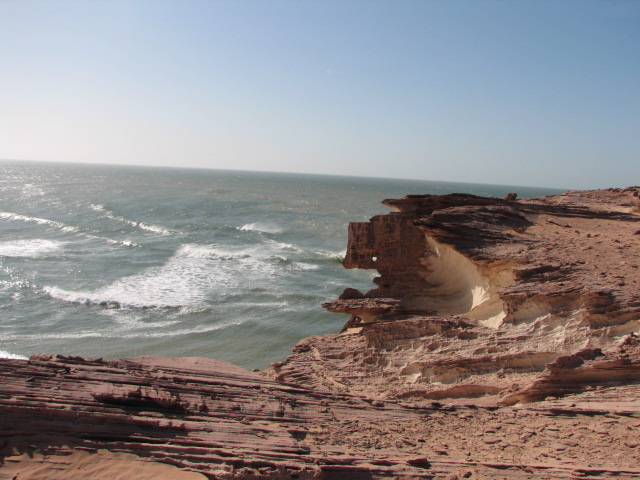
[261, 227]
[40, 221]
[123, 243]
[329, 255]
[54, 336]
[209, 252]
[13, 356]
[283, 246]
[303, 266]
[133, 223]
[132, 320]
[29, 248]
[62, 227]
[188, 278]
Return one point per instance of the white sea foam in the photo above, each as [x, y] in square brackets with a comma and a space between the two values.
[40, 221]
[303, 266]
[63, 227]
[261, 227]
[331, 254]
[114, 333]
[134, 223]
[31, 248]
[283, 246]
[209, 253]
[5, 354]
[153, 228]
[252, 305]
[188, 278]
[123, 243]
[53, 336]
[132, 320]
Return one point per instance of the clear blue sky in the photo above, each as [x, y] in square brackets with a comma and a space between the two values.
[542, 93]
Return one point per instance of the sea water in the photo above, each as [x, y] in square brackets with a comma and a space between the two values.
[121, 261]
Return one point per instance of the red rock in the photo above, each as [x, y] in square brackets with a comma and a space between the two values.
[483, 308]
[482, 297]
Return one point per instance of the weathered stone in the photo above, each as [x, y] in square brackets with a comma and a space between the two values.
[494, 333]
[482, 298]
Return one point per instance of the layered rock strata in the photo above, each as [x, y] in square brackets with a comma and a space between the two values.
[500, 342]
[186, 419]
[502, 301]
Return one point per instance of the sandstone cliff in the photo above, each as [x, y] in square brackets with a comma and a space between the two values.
[503, 301]
[500, 342]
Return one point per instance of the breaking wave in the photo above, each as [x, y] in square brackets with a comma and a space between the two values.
[124, 243]
[209, 253]
[261, 227]
[40, 221]
[32, 248]
[64, 228]
[190, 277]
[4, 354]
[333, 256]
[133, 223]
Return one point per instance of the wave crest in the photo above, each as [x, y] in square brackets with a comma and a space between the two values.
[13, 356]
[133, 223]
[208, 253]
[31, 248]
[262, 227]
[40, 221]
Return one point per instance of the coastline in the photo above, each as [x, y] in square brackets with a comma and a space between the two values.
[530, 370]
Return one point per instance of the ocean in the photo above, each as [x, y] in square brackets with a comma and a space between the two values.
[122, 261]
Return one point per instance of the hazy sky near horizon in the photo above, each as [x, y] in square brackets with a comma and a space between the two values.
[528, 92]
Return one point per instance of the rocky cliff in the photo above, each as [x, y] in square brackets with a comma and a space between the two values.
[500, 341]
[502, 301]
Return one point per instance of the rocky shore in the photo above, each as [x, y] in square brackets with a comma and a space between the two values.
[502, 341]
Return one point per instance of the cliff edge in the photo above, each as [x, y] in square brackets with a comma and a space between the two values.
[500, 341]
[500, 301]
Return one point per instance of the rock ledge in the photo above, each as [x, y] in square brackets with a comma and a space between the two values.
[500, 342]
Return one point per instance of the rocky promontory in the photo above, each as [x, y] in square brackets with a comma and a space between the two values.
[501, 340]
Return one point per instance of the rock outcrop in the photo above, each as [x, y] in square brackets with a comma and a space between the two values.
[187, 419]
[500, 342]
[487, 299]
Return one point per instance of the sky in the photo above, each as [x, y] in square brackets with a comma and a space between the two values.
[528, 92]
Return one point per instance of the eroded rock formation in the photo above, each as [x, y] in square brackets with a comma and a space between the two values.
[187, 419]
[482, 298]
[500, 342]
